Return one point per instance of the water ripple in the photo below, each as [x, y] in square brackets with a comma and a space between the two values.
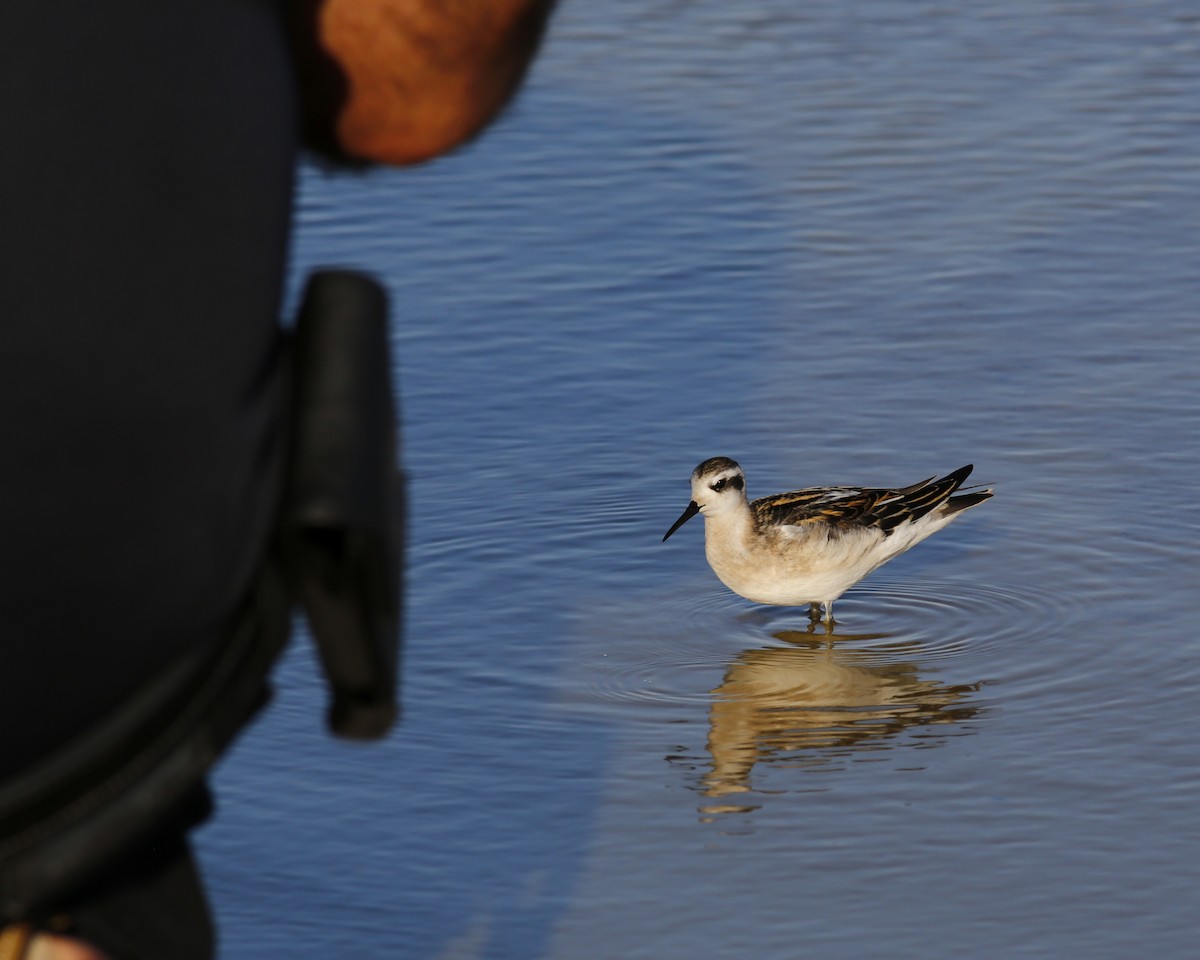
[676, 650]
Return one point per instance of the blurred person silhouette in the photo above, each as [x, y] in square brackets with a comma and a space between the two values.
[176, 470]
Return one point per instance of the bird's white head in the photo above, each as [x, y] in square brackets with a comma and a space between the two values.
[718, 484]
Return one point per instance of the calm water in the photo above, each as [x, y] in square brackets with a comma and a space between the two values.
[842, 244]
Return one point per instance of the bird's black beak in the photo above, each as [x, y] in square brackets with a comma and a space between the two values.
[690, 511]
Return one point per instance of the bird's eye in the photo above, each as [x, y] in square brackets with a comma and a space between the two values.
[720, 484]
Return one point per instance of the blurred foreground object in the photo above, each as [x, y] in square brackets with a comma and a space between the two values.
[404, 81]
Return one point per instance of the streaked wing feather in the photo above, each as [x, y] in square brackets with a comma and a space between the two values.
[845, 507]
[834, 505]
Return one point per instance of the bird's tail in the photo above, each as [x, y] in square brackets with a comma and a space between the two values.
[965, 500]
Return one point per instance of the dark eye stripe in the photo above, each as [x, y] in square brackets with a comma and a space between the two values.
[735, 481]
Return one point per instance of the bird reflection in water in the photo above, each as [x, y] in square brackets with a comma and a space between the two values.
[812, 703]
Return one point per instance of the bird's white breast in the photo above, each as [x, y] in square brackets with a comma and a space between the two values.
[794, 565]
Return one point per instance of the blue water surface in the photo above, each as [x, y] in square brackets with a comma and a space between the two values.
[855, 244]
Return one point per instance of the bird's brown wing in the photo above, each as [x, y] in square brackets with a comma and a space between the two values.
[847, 507]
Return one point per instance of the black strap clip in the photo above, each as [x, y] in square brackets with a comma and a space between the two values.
[342, 530]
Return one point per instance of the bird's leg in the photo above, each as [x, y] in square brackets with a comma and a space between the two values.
[814, 612]
[829, 621]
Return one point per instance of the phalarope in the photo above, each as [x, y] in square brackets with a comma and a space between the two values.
[811, 546]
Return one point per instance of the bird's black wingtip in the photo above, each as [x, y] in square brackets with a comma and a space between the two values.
[959, 475]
